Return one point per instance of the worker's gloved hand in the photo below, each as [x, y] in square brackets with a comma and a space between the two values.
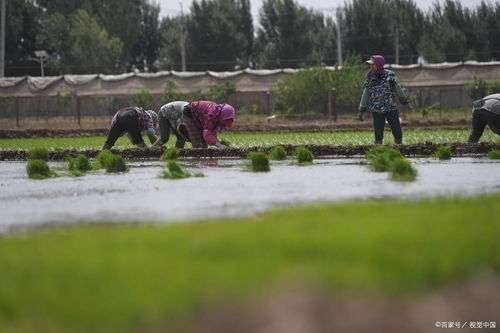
[158, 143]
[220, 145]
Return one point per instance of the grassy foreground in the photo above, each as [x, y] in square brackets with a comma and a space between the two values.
[133, 277]
[260, 139]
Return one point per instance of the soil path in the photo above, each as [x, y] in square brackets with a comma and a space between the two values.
[414, 150]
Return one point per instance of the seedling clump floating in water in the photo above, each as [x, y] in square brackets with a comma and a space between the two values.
[260, 161]
[304, 155]
[170, 154]
[402, 170]
[103, 159]
[175, 171]
[78, 165]
[116, 163]
[39, 154]
[494, 154]
[381, 157]
[38, 169]
[443, 153]
[278, 153]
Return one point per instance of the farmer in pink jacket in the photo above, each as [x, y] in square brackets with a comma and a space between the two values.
[204, 118]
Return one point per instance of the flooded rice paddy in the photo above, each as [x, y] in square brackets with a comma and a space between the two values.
[226, 191]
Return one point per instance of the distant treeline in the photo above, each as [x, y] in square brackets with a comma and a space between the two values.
[115, 36]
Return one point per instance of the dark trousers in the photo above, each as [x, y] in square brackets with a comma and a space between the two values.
[166, 129]
[126, 121]
[481, 118]
[379, 123]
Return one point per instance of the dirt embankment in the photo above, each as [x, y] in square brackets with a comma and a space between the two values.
[423, 149]
[253, 126]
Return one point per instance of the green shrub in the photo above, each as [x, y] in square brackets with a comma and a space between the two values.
[260, 161]
[304, 155]
[443, 153]
[116, 163]
[494, 154]
[170, 154]
[278, 153]
[80, 162]
[38, 169]
[38, 154]
[402, 170]
[175, 171]
[381, 157]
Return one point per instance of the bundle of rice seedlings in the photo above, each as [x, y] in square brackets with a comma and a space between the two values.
[278, 153]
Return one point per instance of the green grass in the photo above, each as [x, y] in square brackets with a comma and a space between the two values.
[265, 140]
[132, 278]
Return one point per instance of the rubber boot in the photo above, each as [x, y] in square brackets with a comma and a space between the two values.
[106, 146]
[378, 142]
[398, 141]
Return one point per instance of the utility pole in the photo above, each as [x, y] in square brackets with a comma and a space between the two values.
[396, 40]
[339, 36]
[2, 39]
[183, 40]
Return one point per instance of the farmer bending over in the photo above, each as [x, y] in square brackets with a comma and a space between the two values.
[485, 111]
[378, 98]
[204, 118]
[170, 119]
[132, 120]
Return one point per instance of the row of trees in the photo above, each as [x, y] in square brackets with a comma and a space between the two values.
[90, 36]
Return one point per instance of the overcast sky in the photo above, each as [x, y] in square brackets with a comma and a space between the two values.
[173, 7]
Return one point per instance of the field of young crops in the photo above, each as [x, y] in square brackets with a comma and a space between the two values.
[258, 140]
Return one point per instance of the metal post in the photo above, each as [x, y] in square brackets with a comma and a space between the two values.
[17, 112]
[183, 41]
[268, 94]
[41, 66]
[339, 36]
[78, 110]
[2, 39]
[333, 104]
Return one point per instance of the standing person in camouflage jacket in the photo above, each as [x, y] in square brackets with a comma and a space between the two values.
[170, 118]
[378, 98]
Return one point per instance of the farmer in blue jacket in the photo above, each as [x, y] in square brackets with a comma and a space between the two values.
[378, 97]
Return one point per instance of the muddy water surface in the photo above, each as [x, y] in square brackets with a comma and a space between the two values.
[140, 196]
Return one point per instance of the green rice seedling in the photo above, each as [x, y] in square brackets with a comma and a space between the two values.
[402, 170]
[278, 153]
[494, 154]
[304, 155]
[38, 154]
[38, 169]
[103, 159]
[115, 163]
[443, 153]
[81, 163]
[381, 157]
[225, 143]
[175, 171]
[170, 154]
[260, 161]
